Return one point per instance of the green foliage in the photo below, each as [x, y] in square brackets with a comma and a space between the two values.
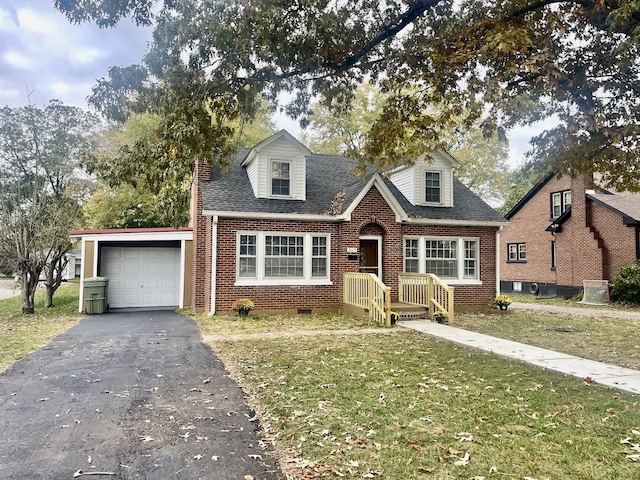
[625, 285]
[40, 150]
[121, 207]
[502, 63]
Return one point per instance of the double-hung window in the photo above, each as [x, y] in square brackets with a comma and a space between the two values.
[452, 259]
[517, 252]
[433, 187]
[560, 201]
[280, 178]
[276, 258]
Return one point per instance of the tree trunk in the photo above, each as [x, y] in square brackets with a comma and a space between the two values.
[28, 293]
[55, 273]
[48, 296]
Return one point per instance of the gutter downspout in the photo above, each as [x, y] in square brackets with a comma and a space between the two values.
[498, 260]
[214, 261]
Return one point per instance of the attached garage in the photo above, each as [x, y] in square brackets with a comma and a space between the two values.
[146, 268]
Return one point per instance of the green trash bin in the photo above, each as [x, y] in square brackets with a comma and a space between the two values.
[95, 295]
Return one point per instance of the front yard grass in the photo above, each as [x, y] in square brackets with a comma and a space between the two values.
[603, 338]
[234, 325]
[22, 334]
[402, 405]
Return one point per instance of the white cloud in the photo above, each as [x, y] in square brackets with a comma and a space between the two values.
[18, 60]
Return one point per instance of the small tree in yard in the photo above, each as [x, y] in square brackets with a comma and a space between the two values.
[40, 151]
[21, 225]
[625, 286]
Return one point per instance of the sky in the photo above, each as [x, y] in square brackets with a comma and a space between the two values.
[44, 57]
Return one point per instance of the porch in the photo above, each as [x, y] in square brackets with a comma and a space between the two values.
[418, 295]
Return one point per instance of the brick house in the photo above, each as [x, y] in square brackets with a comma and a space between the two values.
[566, 230]
[282, 225]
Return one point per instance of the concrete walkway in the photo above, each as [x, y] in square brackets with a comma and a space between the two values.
[624, 379]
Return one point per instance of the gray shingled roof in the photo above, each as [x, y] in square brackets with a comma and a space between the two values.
[625, 204]
[328, 175]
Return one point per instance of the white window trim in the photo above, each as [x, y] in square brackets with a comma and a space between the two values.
[422, 258]
[306, 279]
[423, 184]
[291, 175]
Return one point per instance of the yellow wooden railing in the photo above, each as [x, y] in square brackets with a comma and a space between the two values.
[427, 290]
[367, 292]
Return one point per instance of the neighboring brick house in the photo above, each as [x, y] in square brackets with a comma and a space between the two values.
[566, 230]
[282, 225]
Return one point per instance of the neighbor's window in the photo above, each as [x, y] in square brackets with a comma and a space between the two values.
[560, 201]
[270, 257]
[280, 178]
[517, 252]
[433, 187]
[448, 258]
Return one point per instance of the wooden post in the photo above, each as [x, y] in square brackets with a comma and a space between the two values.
[430, 293]
[450, 306]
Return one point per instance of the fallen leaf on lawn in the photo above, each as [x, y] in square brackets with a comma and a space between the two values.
[354, 463]
[479, 477]
[464, 461]
[215, 458]
[635, 432]
[634, 457]
[626, 440]
[146, 439]
[197, 457]
[89, 459]
[44, 399]
[493, 470]
[381, 398]
[248, 477]
[255, 457]
[464, 437]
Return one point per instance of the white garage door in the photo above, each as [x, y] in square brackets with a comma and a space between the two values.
[142, 276]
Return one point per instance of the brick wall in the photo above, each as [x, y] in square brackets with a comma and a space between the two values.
[372, 216]
[202, 228]
[528, 226]
[591, 245]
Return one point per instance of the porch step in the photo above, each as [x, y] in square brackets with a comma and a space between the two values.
[408, 311]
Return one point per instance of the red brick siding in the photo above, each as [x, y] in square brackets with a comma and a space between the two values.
[202, 228]
[372, 216]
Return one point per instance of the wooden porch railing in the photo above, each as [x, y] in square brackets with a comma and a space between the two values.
[427, 290]
[366, 291]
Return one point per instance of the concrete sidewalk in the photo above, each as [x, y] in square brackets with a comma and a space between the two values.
[623, 379]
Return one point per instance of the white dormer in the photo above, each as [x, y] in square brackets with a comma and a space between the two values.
[429, 181]
[276, 167]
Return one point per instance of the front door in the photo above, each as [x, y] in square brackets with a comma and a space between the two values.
[370, 255]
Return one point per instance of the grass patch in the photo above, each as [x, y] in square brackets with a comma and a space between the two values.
[402, 405]
[22, 334]
[568, 302]
[235, 325]
[605, 339]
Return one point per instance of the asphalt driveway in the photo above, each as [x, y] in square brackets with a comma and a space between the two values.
[128, 396]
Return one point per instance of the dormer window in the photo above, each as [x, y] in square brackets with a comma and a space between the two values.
[560, 202]
[433, 187]
[280, 178]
